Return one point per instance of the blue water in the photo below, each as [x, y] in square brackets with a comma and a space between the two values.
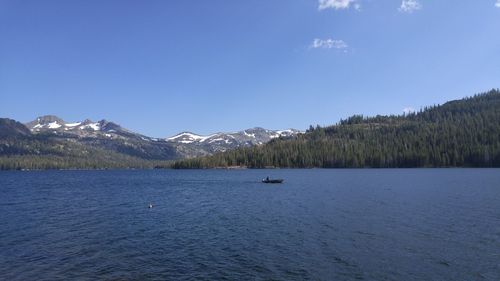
[406, 224]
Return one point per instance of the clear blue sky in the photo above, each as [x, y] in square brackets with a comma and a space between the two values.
[161, 67]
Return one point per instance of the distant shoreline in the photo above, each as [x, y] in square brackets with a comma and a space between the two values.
[241, 168]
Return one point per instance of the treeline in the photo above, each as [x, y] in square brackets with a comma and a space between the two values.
[47, 162]
[462, 133]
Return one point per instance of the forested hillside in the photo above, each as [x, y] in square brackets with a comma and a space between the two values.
[461, 133]
[19, 149]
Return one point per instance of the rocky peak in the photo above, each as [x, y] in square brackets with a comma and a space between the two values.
[48, 121]
[110, 126]
[10, 128]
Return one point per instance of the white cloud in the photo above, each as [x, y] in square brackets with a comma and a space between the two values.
[408, 110]
[328, 44]
[337, 4]
[409, 6]
[497, 4]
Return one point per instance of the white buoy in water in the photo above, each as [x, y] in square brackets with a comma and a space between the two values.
[150, 205]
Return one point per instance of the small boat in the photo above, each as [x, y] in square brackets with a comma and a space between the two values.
[268, 180]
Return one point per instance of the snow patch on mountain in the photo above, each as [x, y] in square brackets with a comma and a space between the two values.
[51, 125]
[71, 125]
[187, 137]
[93, 126]
[220, 140]
[248, 135]
[54, 125]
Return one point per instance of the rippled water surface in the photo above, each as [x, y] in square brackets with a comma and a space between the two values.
[424, 224]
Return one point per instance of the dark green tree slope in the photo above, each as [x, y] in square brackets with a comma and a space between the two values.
[461, 133]
[38, 153]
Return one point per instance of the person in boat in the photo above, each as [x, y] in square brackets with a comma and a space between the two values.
[267, 178]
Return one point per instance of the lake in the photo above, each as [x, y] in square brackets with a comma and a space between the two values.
[320, 224]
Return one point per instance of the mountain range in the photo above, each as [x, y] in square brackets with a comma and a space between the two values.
[85, 141]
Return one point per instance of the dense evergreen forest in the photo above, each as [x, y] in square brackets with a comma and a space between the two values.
[461, 133]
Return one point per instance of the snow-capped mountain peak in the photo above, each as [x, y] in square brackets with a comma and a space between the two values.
[86, 128]
[46, 122]
[218, 142]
